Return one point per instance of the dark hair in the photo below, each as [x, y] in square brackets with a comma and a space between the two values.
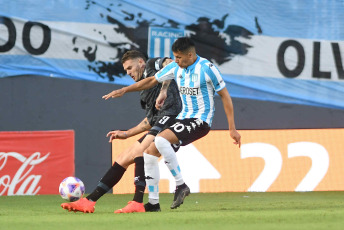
[133, 54]
[182, 44]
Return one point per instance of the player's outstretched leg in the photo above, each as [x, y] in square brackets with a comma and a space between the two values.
[83, 205]
[181, 192]
[112, 176]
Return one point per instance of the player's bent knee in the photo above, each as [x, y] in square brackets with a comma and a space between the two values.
[136, 152]
[124, 161]
[152, 150]
[161, 143]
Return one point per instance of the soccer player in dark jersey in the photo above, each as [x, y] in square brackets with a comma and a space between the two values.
[138, 68]
[198, 80]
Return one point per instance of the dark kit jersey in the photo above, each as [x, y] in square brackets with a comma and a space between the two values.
[172, 104]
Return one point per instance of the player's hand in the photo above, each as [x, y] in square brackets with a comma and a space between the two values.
[117, 134]
[236, 137]
[160, 100]
[166, 62]
[114, 94]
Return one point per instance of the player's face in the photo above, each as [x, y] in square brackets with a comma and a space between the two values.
[134, 68]
[183, 59]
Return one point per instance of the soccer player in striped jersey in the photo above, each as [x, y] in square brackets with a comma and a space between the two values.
[198, 80]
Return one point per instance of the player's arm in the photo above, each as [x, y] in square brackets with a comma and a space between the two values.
[160, 100]
[146, 83]
[118, 134]
[228, 107]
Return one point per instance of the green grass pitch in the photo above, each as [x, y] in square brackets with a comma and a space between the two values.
[309, 210]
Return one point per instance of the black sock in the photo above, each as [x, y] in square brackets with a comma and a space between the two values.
[110, 179]
[140, 182]
[96, 194]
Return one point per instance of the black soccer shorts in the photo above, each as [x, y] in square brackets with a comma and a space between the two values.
[189, 130]
[161, 124]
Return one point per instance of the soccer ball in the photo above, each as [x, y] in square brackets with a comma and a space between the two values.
[71, 189]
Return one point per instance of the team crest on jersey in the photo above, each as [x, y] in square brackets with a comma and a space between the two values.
[194, 77]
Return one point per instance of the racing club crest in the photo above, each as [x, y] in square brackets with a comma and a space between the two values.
[194, 77]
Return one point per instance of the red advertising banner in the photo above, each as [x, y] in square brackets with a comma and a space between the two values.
[35, 162]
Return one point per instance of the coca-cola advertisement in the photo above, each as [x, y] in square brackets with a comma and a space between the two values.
[35, 162]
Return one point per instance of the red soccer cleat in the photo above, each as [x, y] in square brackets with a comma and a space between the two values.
[82, 205]
[132, 206]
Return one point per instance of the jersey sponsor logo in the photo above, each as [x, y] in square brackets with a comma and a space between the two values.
[189, 91]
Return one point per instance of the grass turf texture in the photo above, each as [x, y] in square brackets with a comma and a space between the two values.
[310, 210]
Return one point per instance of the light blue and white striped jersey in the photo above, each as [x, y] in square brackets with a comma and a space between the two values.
[197, 86]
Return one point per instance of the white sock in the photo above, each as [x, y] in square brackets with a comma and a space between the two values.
[166, 150]
[153, 175]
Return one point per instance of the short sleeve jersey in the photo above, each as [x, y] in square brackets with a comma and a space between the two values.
[172, 105]
[197, 86]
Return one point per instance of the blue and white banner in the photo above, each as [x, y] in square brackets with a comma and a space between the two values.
[285, 51]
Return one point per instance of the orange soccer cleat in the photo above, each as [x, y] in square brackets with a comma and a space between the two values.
[132, 206]
[82, 205]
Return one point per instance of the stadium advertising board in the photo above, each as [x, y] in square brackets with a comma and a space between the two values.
[35, 162]
[283, 56]
[268, 161]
